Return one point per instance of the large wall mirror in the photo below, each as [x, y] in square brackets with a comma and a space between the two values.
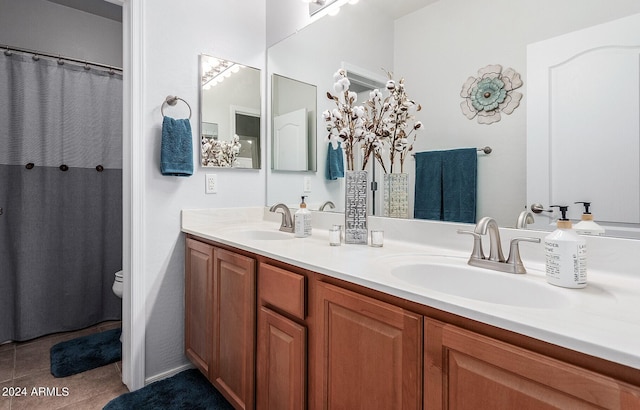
[435, 47]
[230, 106]
[293, 121]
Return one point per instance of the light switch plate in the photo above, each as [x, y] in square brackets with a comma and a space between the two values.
[211, 184]
[307, 185]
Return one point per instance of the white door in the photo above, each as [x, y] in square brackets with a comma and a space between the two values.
[583, 123]
[290, 141]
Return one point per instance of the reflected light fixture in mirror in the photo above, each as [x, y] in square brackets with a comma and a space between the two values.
[216, 70]
[319, 8]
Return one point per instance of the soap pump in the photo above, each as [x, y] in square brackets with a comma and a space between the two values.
[302, 221]
[565, 255]
[587, 226]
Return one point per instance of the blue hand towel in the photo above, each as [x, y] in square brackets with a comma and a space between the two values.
[176, 152]
[335, 162]
[428, 189]
[446, 185]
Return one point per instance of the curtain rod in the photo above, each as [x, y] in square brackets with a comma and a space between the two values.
[9, 49]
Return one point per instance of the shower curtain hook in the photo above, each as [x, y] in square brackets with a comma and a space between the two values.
[60, 62]
[35, 57]
[86, 66]
[8, 52]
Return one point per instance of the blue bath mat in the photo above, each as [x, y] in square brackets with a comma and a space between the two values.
[85, 353]
[186, 390]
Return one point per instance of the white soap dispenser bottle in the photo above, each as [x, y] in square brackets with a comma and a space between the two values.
[566, 255]
[587, 226]
[302, 221]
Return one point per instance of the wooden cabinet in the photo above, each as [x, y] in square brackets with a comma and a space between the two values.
[234, 324]
[370, 353]
[276, 337]
[465, 370]
[282, 359]
[198, 302]
[282, 342]
[220, 319]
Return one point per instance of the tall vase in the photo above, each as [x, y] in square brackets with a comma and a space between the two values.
[355, 210]
[396, 195]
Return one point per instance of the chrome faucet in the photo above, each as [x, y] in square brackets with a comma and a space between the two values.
[524, 218]
[327, 203]
[496, 260]
[287, 221]
[495, 246]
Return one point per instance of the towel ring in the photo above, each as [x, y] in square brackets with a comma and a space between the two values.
[173, 100]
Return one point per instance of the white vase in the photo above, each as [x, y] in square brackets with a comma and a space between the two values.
[355, 210]
[396, 195]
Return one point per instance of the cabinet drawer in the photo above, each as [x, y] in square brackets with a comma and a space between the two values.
[282, 289]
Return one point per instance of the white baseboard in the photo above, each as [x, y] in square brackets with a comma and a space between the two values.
[168, 373]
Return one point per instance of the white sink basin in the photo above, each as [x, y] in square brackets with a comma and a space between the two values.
[262, 235]
[452, 276]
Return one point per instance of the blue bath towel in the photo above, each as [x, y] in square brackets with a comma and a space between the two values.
[176, 152]
[446, 185]
[335, 162]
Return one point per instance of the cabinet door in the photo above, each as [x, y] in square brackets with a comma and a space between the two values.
[369, 353]
[198, 291]
[282, 369]
[464, 370]
[234, 312]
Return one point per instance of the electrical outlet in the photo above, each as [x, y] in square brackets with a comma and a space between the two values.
[307, 185]
[211, 184]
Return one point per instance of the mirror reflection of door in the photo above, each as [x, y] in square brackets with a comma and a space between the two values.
[298, 152]
[290, 141]
[248, 130]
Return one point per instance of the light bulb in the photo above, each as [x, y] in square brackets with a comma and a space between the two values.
[334, 11]
[235, 68]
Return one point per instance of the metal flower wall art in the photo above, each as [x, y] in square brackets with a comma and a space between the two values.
[491, 93]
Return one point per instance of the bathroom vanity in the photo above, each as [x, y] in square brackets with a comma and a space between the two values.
[281, 323]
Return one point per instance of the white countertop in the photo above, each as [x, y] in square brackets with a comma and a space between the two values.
[602, 319]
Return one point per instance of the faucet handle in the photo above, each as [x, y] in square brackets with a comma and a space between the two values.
[514, 254]
[477, 252]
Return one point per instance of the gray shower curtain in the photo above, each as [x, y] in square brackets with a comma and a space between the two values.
[60, 194]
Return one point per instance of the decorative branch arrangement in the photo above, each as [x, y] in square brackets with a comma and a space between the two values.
[381, 123]
[220, 153]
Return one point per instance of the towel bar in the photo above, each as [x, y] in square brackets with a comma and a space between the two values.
[486, 150]
[173, 100]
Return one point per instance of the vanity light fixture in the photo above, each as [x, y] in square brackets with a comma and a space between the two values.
[320, 8]
[215, 70]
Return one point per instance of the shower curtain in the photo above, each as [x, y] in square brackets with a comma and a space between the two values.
[60, 195]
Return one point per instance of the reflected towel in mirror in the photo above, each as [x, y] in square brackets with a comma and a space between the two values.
[335, 162]
[445, 187]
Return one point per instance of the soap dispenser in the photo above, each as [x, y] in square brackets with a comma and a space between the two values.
[302, 221]
[565, 255]
[587, 226]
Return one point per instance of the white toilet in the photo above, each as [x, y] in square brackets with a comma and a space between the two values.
[117, 284]
[118, 288]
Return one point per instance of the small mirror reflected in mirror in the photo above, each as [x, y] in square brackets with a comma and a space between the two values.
[293, 111]
[230, 106]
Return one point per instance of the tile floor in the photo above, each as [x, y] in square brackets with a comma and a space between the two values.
[25, 366]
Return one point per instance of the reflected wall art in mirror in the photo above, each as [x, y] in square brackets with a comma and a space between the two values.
[230, 106]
